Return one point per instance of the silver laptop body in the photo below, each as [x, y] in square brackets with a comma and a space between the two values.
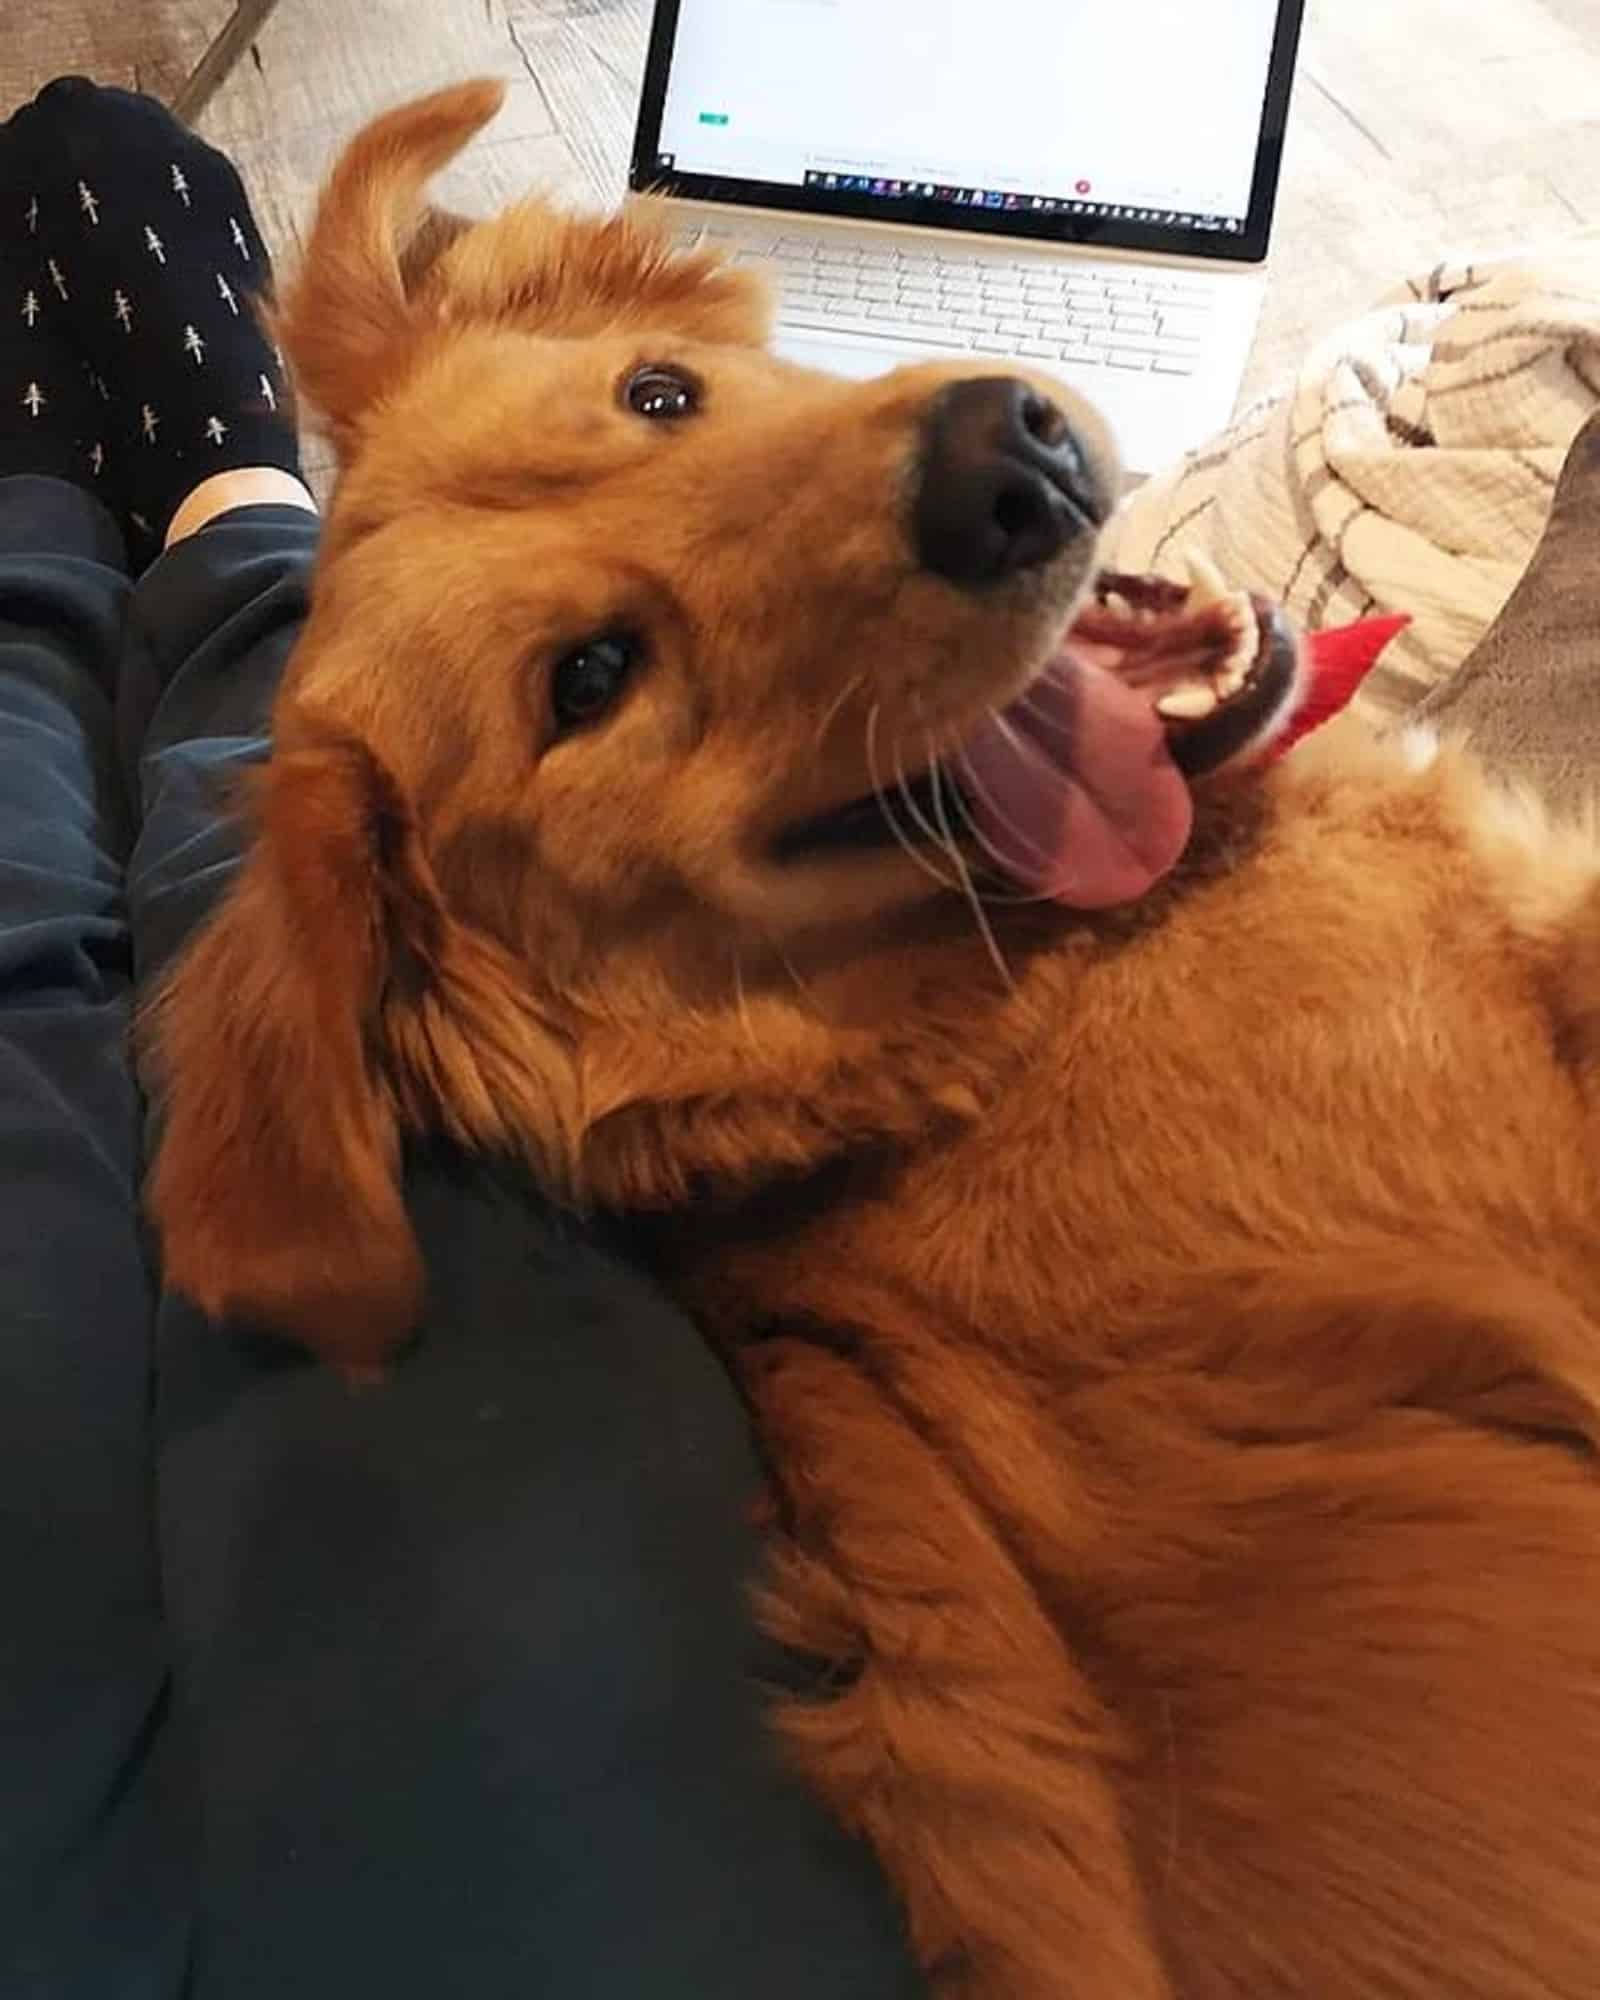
[1088, 189]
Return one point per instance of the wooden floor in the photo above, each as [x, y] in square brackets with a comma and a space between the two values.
[1420, 127]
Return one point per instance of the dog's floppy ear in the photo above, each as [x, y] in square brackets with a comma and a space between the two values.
[348, 318]
[276, 1188]
[331, 1005]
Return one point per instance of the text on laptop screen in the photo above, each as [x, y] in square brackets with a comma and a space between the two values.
[1141, 107]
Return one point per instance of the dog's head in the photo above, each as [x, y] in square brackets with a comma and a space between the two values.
[648, 677]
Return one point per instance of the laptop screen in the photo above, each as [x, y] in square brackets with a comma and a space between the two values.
[1126, 122]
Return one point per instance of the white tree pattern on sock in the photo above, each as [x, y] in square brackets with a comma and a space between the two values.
[213, 336]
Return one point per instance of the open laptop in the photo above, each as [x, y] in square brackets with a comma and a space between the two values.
[1086, 186]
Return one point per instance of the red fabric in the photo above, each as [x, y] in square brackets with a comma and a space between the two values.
[1337, 662]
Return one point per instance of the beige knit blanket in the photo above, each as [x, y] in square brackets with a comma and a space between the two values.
[1409, 467]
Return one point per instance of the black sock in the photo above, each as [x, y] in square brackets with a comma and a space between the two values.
[146, 238]
[51, 420]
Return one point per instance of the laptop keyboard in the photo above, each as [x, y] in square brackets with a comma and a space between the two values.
[1123, 316]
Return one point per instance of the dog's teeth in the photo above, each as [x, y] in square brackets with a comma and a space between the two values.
[1232, 681]
[1116, 602]
[1241, 660]
[1188, 704]
[1205, 582]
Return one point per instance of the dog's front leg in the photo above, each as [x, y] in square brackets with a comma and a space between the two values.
[966, 1744]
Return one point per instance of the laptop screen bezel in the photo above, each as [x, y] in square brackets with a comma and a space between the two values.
[645, 175]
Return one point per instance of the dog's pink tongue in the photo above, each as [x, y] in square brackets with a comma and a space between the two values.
[1074, 791]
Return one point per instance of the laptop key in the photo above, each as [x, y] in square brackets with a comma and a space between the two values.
[1171, 364]
[926, 341]
[1122, 357]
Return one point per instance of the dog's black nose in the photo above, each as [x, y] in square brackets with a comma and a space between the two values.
[1005, 483]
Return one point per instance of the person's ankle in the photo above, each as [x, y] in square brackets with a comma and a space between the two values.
[248, 486]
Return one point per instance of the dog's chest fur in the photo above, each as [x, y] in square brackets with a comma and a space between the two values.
[1370, 1030]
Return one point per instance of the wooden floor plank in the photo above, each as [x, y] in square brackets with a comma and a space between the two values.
[141, 44]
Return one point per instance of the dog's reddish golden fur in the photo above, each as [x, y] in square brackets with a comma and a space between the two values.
[1180, 1365]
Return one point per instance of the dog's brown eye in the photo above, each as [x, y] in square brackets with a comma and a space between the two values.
[662, 395]
[588, 681]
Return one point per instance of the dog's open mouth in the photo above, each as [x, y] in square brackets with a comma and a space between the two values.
[1078, 791]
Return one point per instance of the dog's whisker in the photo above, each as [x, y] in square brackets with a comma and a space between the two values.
[793, 971]
[1055, 725]
[969, 889]
[945, 838]
[882, 797]
[939, 835]
[836, 707]
[742, 1000]
[918, 817]
[956, 795]
[970, 777]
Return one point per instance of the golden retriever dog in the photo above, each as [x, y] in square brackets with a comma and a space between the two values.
[1154, 1217]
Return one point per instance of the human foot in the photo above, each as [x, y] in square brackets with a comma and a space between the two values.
[51, 420]
[145, 237]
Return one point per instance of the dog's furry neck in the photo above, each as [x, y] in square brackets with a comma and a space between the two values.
[826, 1066]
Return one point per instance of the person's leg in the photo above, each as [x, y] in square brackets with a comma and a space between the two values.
[469, 1656]
[93, 1881]
[467, 1661]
